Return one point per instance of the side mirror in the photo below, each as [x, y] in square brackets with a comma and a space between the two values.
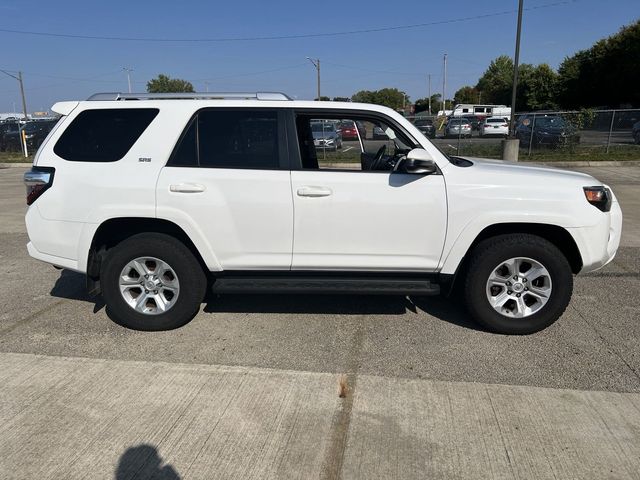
[419, 161]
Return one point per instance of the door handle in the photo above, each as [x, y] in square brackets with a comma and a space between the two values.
[187, 188]
[314, 192]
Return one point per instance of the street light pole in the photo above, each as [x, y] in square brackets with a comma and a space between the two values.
[128, 70]
[516, 59]
[316, 63]
[429, 94]
[444, 86]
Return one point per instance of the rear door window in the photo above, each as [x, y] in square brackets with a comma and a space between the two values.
[233, 138]
[103, 135]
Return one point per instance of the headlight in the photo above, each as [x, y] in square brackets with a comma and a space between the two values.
[599, 197]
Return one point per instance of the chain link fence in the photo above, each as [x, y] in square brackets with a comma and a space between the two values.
[544, 135]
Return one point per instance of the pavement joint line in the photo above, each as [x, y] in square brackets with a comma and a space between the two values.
[502, 440]
[340, 424]
[606, 343]
[32, 316]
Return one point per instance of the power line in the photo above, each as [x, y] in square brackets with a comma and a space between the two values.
[284, 37]
[248, 74]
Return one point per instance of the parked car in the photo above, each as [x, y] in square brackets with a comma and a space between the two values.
[349, 130]
[189, 195]
[457, 127]
[37, 131]
[426, 126]
[9, 137]
[379, 133]
[474, 120]
[548, 130]
[635, 132]
[326, 136]
[493, 126]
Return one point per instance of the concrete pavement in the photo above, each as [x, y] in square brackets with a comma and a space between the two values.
[82, 418]
[248, 389]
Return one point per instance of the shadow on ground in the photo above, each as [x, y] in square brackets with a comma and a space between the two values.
[143, 461]
[71, 285]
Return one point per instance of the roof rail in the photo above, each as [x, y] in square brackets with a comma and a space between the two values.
[193, 96]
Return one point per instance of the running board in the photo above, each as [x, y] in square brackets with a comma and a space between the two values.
[332, 285]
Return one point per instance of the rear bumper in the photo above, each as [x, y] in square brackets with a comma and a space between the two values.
[52, 259]
[61, 243]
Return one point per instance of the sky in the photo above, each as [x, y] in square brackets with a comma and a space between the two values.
[470, 32]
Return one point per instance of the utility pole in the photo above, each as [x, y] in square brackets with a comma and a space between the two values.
[206, 85]
[23, 141]
[316, 63]
[128, 70]
[429, 76]
[444, 85]
[516, 59]
[24, 101]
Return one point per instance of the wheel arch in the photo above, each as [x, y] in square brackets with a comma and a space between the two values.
[115, 230]
[555, 234]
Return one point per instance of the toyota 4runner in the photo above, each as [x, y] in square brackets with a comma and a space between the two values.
[158, 198]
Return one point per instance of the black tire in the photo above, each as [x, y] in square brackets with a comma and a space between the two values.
[191, 276]
[488, 254]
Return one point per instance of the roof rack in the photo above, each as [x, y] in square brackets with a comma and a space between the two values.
[193, 96]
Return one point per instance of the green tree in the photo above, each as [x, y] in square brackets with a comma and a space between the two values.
[466, 94]
[495, 83]
[538, 88]
[608, 73]
[389, 97]
[164, 84]
[422, 104]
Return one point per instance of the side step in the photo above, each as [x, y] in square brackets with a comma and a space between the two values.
[325, 284]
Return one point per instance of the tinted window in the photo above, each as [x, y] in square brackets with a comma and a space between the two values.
[238, 139]
[186, 153]
[103, 135]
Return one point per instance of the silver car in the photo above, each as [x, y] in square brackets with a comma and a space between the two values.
[458, 127]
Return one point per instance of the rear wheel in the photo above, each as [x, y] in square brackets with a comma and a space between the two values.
[151, 282]
[517, 284]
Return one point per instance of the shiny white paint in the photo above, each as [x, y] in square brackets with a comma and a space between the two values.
[490, 126]
[244, 217]
[255, 219]
[369, 221]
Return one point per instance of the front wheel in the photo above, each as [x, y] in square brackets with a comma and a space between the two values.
[152, 282]
[517, 284]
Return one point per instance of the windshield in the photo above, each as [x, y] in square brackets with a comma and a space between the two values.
[423, 122]
[321, 127]
[550, 122]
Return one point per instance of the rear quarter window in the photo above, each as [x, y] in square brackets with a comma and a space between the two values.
[104, 135]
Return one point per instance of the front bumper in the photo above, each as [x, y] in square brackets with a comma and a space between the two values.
[599, 243]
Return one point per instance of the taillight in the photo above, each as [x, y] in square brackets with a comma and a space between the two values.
[37, 181]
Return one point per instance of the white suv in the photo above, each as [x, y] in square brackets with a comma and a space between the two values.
[159, 198]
